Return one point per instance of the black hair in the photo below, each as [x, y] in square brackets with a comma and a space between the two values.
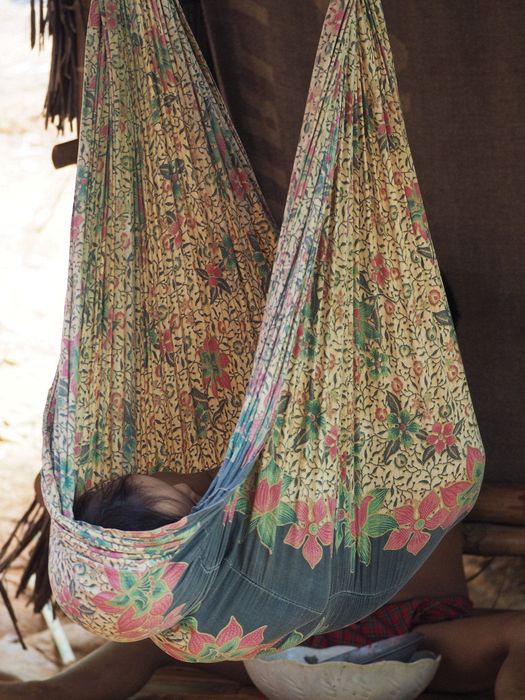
[121, 505]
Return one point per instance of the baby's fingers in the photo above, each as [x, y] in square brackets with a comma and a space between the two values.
[188, 492]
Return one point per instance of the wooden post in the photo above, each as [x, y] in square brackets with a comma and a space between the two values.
[500, 503]
[489, 540]
[65, 154]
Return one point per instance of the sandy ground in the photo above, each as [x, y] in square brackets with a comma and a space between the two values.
[35, 201]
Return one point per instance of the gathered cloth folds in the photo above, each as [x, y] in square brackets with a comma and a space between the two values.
[330, 388]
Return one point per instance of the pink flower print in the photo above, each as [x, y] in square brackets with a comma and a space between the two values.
[453, 497]
[390, 307]
[475, 463]
[297, 347]
[381, 272]
[230, 644]
[141, 603]
[322, 250]
[132, 628]
[77, 222]
[417, 366]
[356, 362]
[176, 233]
[311, 532]
[412, 526]
[385, 128]
[331, 441]
[111, 15]
[256, 428]
[165, 341]
[442, 436]
[420, 230]
[332, 503]
[267, 497]
[452, 373]
[434, 297]
[213, 366]
[229, 508]
[77, 447]
[214, 274]
[416, 210]
[459, 497]
[360, 516]
[221, 145]
[381, 414]
[94, 15]
[397, 385]
[240, 182]
[413, 191]
[186, 403]
[69, 604]
[335, 21]
[349, 106]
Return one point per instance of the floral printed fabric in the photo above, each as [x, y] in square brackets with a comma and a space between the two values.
[356, 446]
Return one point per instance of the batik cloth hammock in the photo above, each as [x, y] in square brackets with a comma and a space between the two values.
[348, 449]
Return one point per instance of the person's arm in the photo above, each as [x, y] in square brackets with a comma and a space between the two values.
[114, 672]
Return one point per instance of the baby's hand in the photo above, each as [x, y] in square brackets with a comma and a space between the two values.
[185, 498]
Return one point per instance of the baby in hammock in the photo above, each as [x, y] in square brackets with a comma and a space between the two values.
[142, 502]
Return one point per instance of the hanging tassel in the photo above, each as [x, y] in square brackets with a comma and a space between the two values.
[12, 615]
[67, 23]
[33, 527]
[33, 23]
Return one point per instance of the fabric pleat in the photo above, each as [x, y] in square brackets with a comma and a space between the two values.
[346, 433]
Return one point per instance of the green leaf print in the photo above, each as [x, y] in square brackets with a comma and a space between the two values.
[266, 527]
[284, 514]
[390, 449]
[366, 324]
[379, 525]
[378, 496]
[364, 549]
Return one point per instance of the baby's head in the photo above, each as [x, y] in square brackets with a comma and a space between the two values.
[134, 502]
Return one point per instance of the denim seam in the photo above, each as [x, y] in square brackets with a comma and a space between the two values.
[364, 595]
[271, 593]
[211, 570]
[330, 598]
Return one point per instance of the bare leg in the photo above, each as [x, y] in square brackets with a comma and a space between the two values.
[510, 683]
[113, 672]
[479, 653]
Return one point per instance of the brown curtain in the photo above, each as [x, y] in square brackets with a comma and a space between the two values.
[460, 67]
[461, 75]
[263, 52]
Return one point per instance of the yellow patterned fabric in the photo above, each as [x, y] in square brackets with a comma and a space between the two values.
[176, 259]
[356, 446]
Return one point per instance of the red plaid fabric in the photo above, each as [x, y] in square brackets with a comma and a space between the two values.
[395, 618]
